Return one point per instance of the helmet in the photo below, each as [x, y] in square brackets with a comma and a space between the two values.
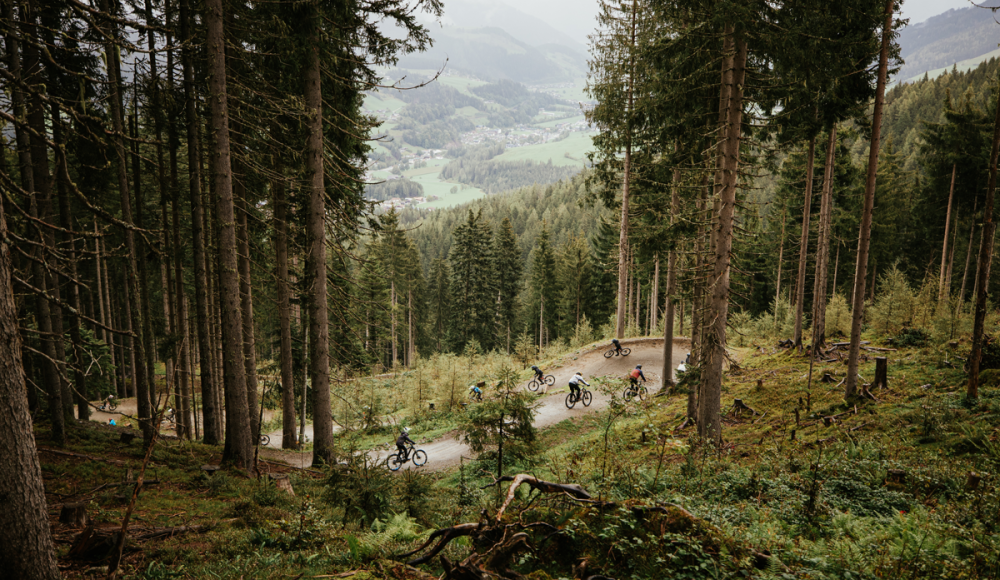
[406, 430]
[638, 366]
[579, 373]
[534, 367]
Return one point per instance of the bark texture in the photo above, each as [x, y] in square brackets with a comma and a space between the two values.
[800, 284]
[864, 236]
[823, 247]
[238, 448]
[26, 549]
[714, 340]
[288, 440]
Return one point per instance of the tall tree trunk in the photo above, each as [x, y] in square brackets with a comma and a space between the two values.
[105, 315]
[823, 248]
[26, 550]
[864, 236]
[781, 259]
[209, 409]
[968, 251]
[239, 443]
[140, 376]
[668, 323]
[246, 300]
[392, 318]
[319, 329]
[66, 222]
[983, 266]
[944, 244]
[41, 303]
[654, 296]
[731, 98]
[284, 315]
[623, 244]
[800, 280]
[410, 349]
[951, 255]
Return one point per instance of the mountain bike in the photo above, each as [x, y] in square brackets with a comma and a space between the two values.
[613, 352]
[534, 384]
[417, 456]
[109, 405]
[265, 440]
[635, 391]
[584, 396]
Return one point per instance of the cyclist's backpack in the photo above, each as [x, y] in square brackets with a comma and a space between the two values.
[635, 373]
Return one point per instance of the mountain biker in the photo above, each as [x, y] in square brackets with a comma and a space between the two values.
[106, 402]
[635, 375]
[539, 375]
[683, 367]
[574, 385]
[402, 440]
[475, 390]
[617, 345]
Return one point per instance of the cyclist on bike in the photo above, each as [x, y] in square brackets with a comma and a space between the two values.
[635, 375]
[539, 375]
[475, 391]
[402, 440]
[617, 345]
[106, 402]
[574, 385]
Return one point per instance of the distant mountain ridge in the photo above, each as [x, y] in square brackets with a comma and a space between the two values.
[494, 54]
[943, 40]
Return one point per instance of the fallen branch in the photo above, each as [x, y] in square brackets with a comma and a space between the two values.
[446, 535]
[81, 456]
[574, 490]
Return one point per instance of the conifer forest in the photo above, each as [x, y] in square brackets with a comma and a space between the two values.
[280, 299]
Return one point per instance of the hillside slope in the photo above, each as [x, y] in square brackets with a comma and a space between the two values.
[941, 41]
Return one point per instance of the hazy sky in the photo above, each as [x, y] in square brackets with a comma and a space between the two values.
[576, 17]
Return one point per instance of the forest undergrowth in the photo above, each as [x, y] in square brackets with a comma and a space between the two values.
[804, 486]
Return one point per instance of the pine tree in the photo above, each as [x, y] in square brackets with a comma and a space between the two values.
[472, 284]
[507, 269]
[542, 294]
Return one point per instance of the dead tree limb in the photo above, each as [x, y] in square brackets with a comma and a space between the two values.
[446, 535]
[572, 489]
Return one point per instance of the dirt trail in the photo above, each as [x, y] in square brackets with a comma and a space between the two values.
[448, 451]
[648, 352]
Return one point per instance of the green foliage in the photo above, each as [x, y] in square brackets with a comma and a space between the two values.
[895, 306]
[499, 176]
[500, 429]
[363, 490]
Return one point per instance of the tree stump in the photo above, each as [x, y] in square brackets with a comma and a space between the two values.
[92, 545]
[210, 469]
[881, 372]
[74, 514]
[282, 482]
[739, 407]
[827, 378]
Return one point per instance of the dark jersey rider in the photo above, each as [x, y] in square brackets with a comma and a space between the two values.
[402, 440]
[617, 345]
[538, 373]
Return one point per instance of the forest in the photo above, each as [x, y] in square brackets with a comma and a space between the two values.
[799, 255]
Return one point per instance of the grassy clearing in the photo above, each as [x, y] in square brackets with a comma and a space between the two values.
[570, 151]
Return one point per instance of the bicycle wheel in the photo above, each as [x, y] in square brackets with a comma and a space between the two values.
[626, 351]
[533, 385]
[609, 354]
[587, 398]
[112, 406]
[643, 393]
[550, 380]
[570, 401]
[393, 462]
[419, 457]
[627, 394]
[265, 440]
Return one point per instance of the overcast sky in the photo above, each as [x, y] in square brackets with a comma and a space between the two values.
[576, 17]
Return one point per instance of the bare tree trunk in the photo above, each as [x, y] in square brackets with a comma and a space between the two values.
[105, 314]
[410, 350]
[800, 280]
[541, 323]
[668, 322]
[66, 222]
[654, 297]
[288, 440]
[207, 380]
[246, 302]
[731, 101]
[983, 266]
[26, 550]
[623, 245]
[951, 255]
[136, 326]
[781, 259]
[836, 266]
[864, 236]
[947, 226]
[238, 448]
[319, 329]
[823, 247]
[392, 317]
[968, 252]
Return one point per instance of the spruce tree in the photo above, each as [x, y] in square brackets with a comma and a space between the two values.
[472, 284]
[507, 270]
